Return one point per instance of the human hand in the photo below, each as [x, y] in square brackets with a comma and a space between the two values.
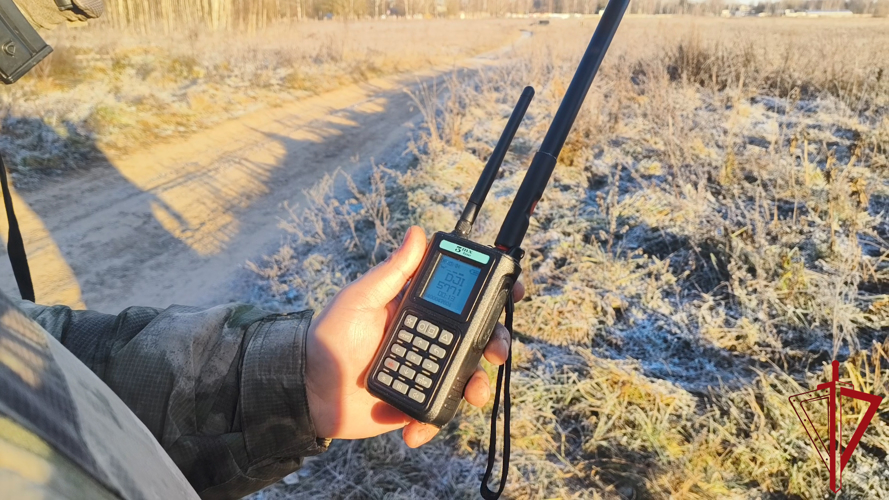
[343, 340]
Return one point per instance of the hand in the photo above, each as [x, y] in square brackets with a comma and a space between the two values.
[344, 338]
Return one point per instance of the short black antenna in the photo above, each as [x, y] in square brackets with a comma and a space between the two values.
[514, 227]
[477, 198]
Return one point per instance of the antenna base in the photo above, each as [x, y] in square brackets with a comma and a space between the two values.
[518, 218]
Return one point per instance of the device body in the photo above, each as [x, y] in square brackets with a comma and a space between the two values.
[21, 47]
[442, 326]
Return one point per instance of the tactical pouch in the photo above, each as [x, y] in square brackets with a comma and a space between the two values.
[21, 48]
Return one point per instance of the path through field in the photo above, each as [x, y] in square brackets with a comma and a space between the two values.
[175, 224]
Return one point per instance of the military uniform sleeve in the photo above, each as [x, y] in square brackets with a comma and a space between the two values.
[222, 389]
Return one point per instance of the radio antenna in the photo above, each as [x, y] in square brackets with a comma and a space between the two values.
[514, 227]
[486, 179]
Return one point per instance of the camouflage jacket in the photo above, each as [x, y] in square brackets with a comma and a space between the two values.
[221, 390]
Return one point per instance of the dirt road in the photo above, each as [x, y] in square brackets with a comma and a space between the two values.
[175, 224]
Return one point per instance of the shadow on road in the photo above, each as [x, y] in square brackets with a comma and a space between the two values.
[54, 274]
[175, 224]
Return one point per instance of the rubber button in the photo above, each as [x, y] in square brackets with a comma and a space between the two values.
[407, 372]
[410, 321]
[432, 331]
[417, 396]
[414, 358]
[437, 351]
[424, 381]
[430, 366]
[385, 378]
[446, 337]
[400, 386]
[482, 340]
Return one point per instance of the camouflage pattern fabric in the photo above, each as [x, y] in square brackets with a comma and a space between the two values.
[219, 394]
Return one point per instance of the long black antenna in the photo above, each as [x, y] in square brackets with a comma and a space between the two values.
[514, 227]
[477, 198]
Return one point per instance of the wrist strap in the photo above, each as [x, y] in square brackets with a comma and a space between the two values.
[15, 247]
[502, 386]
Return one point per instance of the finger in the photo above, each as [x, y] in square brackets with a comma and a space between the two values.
[518, 291]
[497, 349]
[383, 283]
[392, 306]
[417, 434]
[384, 414]
[478, 389]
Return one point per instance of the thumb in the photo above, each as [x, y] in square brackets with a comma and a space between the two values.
[383, 283]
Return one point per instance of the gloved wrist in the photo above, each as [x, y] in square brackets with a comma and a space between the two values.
[45, 14]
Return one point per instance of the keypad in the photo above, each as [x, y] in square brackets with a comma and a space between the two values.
[419, 351]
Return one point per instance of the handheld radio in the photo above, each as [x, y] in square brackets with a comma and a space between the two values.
[452, 303]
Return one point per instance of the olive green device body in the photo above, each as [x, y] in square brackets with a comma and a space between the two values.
[435, 340]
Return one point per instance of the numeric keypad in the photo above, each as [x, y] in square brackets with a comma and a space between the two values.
[416, 357]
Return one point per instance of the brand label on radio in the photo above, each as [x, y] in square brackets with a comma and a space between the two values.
[465, 252]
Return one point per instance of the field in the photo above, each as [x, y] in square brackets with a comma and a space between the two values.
[716, 232]
[104, 93]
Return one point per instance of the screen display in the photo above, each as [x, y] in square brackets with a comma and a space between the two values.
[451, 283]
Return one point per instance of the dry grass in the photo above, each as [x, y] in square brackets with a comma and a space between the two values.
[108, 92]
[715, 233]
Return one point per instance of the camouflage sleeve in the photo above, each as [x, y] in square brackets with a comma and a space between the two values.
[222, 389]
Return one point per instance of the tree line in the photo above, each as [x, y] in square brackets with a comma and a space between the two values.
[144, 15]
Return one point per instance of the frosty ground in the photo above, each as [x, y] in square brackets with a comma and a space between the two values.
[715, 233]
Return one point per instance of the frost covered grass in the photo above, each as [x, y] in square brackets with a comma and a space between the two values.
[716, 231]
[108, 92]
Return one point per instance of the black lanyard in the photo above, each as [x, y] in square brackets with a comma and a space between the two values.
[15, 247]
[502, 386]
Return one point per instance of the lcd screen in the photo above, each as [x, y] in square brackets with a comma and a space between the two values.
[451, 284]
